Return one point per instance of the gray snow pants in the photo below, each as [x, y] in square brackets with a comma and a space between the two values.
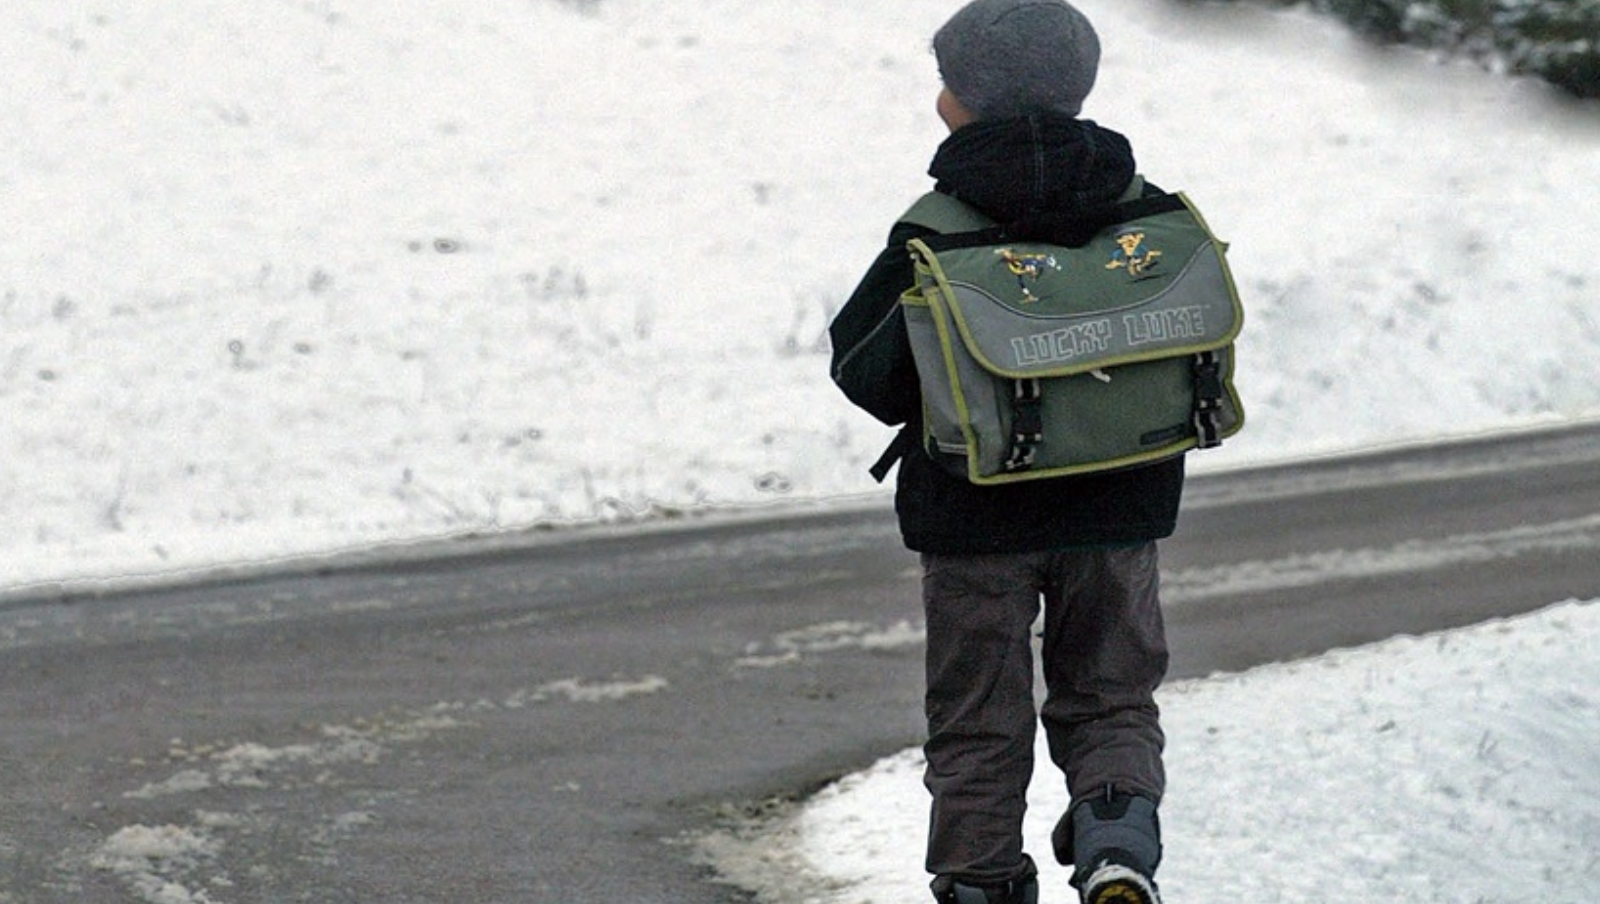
[1104, 654]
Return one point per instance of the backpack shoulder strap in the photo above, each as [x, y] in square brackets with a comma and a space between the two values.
[945, 214]
[948, 214]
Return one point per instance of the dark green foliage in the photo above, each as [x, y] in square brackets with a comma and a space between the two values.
[1375, 18]
[1560, 41]
[1557, 40]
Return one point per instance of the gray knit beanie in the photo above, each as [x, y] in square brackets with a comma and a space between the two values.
[1005, 58]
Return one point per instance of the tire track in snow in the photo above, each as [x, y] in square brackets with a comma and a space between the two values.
[1195, 585]
[185, 862]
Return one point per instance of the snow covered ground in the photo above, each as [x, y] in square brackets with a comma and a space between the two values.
[1452, 769]
[308, 275]
[294, 277]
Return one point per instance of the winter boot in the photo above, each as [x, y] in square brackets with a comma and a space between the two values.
[1114, 843]
[1113, 883]
[1022, 890]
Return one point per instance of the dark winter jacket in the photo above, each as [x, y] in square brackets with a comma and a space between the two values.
[1047, 178]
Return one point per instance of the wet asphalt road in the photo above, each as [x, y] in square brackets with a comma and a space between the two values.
[544, 720]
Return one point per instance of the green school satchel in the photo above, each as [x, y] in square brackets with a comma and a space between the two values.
[1040, 360]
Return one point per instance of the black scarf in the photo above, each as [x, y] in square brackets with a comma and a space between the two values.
[1043, 176]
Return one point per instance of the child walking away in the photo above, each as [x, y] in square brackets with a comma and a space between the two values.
[1028, 189]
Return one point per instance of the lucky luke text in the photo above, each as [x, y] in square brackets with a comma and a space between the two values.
[1096, 336]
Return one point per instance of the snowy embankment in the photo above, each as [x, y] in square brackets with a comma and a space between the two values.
[1456, 768]
[296, 278]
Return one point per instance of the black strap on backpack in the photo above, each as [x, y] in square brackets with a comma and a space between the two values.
[902, 444]
[1027, 424]
[1208, 399]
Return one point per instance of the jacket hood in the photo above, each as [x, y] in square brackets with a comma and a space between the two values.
[1038, 174]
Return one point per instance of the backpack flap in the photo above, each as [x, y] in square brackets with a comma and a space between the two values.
[1041, 360]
